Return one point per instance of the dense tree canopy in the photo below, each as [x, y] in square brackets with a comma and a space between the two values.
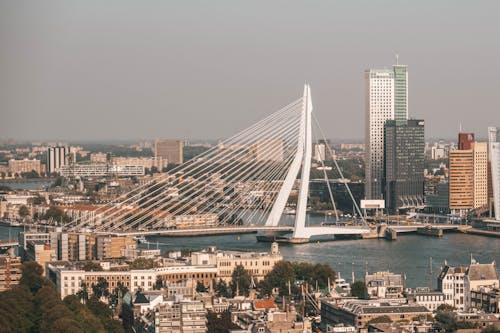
[35, 306]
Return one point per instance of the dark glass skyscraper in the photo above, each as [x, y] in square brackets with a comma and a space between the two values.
[403, 182]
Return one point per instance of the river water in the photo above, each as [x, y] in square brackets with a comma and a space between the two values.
[409, 254]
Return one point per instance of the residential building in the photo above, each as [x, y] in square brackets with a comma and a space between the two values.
[461, 180]
[171, 150]
[479, 276]
[451, 283]
[480, 174]
[170, 315]
[101, 170]
[40, 252]
[57, 157]
[384, 285]
[468, 175]
[386, 98]
[431, 299]
[108, 247]
[10, 271]
[24, 166]
[379, 105]
[403, 181]
[486, 299]
[494, 170]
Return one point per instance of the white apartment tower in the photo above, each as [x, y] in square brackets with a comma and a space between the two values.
[57, 157]
[494, 155]
[386, 98]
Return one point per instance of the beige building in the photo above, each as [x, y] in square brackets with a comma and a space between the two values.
[22, 166]
[257, 263]
[479, 276]
[146, 162]
[108, 247]
[40, 252]
[461, 175]
[468, 175]
[171, 150]
[480, 174]
[68, 277]
[10, 271]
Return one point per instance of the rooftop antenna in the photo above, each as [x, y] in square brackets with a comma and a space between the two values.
[460, 124]
[397, 59]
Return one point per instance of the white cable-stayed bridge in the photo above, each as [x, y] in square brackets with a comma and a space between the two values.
[243, 184]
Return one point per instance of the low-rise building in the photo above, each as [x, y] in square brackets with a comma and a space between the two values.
[384, 285]
[431, 299]
[359, 313]
[486, 299]
[451, 283]
[479, 276]
[258, 264]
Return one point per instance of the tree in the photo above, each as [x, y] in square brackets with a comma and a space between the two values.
[83, 293]
[240, 281]
[32, 276]
[24, 211]
[279, 277]
[491, 329]
[221, 289]
[358, 289]
[100, 289]
[219, 322]
[158, 284]
[447, 321]
[56, 214]
[200, 287]
[445, 308]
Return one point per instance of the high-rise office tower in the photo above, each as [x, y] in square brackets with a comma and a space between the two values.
[403, 182]
[172, 150]
[386, 98]
[57, 157]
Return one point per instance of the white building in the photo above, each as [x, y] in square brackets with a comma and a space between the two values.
[101, 170]
[494, 155]
[379, 107]
[451, 284]
[57, 157]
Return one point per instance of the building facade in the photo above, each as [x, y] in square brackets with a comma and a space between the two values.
[171, 150]
[403, 181]
[57, 157]
[379, 107]
[461, 178]
[386, 98]
[451, 284]
[10, 271]
[494, 170]
[23, 166]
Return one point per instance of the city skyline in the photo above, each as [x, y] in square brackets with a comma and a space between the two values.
[72, 74]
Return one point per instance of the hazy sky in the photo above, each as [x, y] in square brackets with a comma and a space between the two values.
[120, 70]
